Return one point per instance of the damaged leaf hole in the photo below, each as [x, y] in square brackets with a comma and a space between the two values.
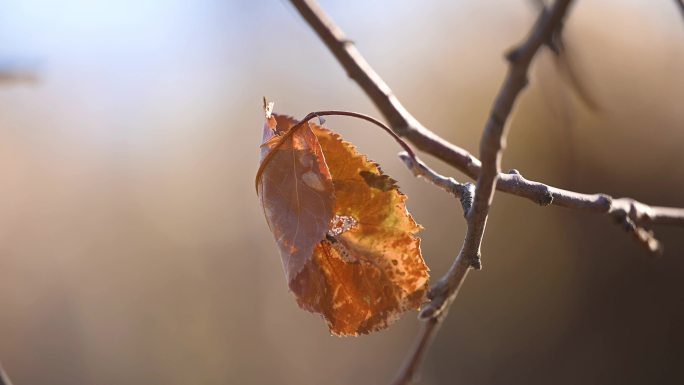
[339, 225]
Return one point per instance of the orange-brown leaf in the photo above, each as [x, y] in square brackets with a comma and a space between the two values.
[366, 268]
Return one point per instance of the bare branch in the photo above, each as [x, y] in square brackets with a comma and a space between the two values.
[628, 212]
[408, 126]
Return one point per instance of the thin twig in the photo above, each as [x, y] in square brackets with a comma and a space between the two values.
[268, 108]
[408, 126]
[465, 192]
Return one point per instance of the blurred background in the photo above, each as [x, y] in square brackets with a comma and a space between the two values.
[133, 249]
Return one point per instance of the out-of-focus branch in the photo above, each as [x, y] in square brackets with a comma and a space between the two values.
[18, 73]
[566, 63]
[407, 126]
[427, 333]
[680, 3]
[4, 379]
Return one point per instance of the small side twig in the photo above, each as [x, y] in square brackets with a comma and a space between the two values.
[465, 192]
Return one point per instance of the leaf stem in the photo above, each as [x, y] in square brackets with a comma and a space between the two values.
[317, 114]
[367, 118]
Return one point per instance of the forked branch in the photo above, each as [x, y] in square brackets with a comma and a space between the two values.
[631, 214]
[405, 125]
[492, 146]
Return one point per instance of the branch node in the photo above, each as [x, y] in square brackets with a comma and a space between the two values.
[555, 42]
[547, 198]
[467, 197]
[438, 296]
[513, 55]
[428, 312]
[469, 162]
[464, 192]
[476, 261]
[605, 201]
[641, 235]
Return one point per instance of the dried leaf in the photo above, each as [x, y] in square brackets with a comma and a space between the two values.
[296, 193]
[365, 268]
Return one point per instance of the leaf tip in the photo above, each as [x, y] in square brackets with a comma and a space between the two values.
[268, 108]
